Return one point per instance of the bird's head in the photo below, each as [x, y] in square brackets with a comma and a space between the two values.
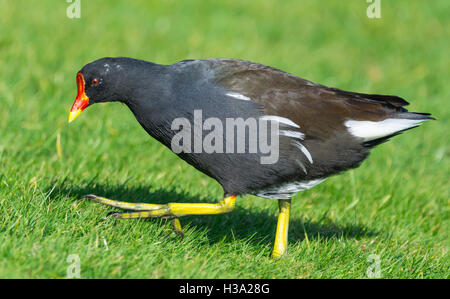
[104, 80]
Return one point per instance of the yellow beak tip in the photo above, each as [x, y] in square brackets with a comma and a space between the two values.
[73, 115]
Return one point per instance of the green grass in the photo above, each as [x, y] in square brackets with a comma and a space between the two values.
[396, 205]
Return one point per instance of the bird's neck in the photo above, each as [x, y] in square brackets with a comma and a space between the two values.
[149, 98]
[147, 87]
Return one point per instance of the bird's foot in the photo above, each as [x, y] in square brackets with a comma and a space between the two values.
[144, 210]
[170, 210]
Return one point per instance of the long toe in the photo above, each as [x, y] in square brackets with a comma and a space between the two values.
[90, 196]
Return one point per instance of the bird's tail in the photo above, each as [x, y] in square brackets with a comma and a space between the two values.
[379, 132]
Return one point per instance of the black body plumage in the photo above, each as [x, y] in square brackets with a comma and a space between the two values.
[158, 94]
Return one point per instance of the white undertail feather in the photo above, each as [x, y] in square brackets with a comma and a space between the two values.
[371, 130]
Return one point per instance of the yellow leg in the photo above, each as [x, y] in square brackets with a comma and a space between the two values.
[146, 210]
[281, 236]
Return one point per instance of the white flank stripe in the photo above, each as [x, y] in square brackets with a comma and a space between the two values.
[301, 166]
[238, 96]
[292, 134]
[281, 120]
[370, 130]
[304, 150]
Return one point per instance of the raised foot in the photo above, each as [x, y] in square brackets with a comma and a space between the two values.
[170, 210]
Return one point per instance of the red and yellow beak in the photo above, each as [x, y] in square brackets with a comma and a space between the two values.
[81, 101]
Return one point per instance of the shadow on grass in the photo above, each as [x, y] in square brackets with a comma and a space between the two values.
[254, 226]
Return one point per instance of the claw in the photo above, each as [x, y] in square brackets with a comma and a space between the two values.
[177, 227]
[111, 215]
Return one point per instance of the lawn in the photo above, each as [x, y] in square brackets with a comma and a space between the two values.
[391, 213]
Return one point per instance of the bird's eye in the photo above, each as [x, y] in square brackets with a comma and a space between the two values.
[95, 82]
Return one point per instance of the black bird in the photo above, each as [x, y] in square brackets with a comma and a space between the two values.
[253, 128]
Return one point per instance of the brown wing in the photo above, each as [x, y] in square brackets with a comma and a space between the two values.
[320, 111]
